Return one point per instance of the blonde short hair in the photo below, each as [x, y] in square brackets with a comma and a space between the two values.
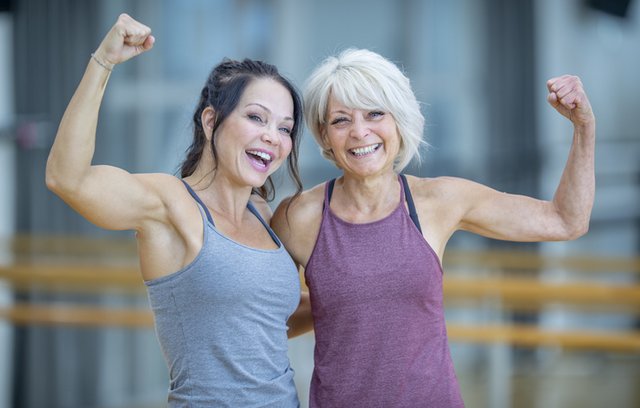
[362, 79]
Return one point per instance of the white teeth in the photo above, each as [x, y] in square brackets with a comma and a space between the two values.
[360, 151]
[262, 155]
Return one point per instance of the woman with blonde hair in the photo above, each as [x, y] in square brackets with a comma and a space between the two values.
[371, 240]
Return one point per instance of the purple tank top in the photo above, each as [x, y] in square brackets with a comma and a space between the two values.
[376, 297]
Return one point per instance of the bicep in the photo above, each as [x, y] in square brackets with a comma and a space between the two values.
[112, 198]
[505, 216]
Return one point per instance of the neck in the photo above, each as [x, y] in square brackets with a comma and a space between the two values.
[370, 194]
[219, 193]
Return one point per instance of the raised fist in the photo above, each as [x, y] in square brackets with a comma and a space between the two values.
[126, 39]
[567, 96]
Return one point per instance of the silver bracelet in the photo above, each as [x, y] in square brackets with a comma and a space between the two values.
[102, 64]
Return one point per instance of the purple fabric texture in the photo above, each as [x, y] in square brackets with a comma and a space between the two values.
[376, 295]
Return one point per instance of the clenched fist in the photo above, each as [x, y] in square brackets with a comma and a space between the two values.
[567, 96]
[126, 39]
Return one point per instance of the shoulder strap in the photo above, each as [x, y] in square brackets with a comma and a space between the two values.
[199, 201]
[328, 192]
[412, 208]
[330, 186]
[255, 212]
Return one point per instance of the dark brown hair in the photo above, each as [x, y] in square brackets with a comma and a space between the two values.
[222, 91]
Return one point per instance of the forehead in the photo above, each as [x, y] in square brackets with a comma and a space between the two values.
[337, 104]
[270, 94]
[333, 104]
[351, 97]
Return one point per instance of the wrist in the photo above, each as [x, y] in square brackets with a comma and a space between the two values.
[585, 131]
[102, 62]
[589, 127]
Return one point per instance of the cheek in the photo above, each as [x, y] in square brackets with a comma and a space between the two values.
[395, 135]
[332, 140]
[287, 145]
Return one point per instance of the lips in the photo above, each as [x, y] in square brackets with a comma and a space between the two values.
[365, 150]
[260, 159]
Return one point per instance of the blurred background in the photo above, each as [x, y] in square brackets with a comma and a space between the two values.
[531, 325]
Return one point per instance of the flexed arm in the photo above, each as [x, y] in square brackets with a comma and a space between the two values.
[107, 196]
[575, 194]
[519, 218]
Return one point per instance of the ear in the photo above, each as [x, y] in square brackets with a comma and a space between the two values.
[208, 118]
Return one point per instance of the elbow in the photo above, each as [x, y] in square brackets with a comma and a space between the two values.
[50, 179]
[580, 231]
[56, 183]
[572, 223]
[575, 231]
[55, 186]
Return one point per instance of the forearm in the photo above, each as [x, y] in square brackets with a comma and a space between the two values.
[72, 151]
[301, 321]
[574, 197]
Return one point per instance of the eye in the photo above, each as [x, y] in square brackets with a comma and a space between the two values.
[256, 118]
[338, 120]
[286, 131]
[376, 114]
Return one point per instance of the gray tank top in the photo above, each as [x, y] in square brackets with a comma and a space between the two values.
[221, 323]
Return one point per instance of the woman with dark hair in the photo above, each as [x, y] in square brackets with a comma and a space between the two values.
[220, 282]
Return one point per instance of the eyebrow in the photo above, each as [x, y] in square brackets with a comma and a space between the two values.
[339, 111]
[267, 109]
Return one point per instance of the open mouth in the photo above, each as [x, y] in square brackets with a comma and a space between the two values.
[363, 151]
[260, 158]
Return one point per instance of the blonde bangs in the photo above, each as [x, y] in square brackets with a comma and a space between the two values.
[361, 79]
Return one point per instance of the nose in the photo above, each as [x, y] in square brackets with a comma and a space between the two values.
[359, 128]
[270, 136]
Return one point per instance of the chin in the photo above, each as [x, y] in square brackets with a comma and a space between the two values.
[368, 171]
[256, 182]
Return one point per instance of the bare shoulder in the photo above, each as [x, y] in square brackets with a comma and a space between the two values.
[450, 200]
[178, 219]
[309, 202]
[444, 189]
[168, 188]
[174, 209]
[440, 203]
[424, 188]
[297, 211]
[172, 237]
[297, 222]
[160, 181]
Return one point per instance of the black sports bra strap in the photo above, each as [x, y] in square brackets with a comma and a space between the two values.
[255, 212]
[199, 201]
[407, 194]
[250, 206]
[412, 208]
[330, 188]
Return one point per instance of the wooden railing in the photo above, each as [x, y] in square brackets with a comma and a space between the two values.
[509, 282]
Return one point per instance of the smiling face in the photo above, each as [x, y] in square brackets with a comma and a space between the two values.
[365, 142]
[255, 138]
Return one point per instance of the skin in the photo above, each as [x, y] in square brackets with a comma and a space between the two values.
[167, 221]
[369, 190]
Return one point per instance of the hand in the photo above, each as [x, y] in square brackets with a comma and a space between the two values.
[126, 39]
[568, 97]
